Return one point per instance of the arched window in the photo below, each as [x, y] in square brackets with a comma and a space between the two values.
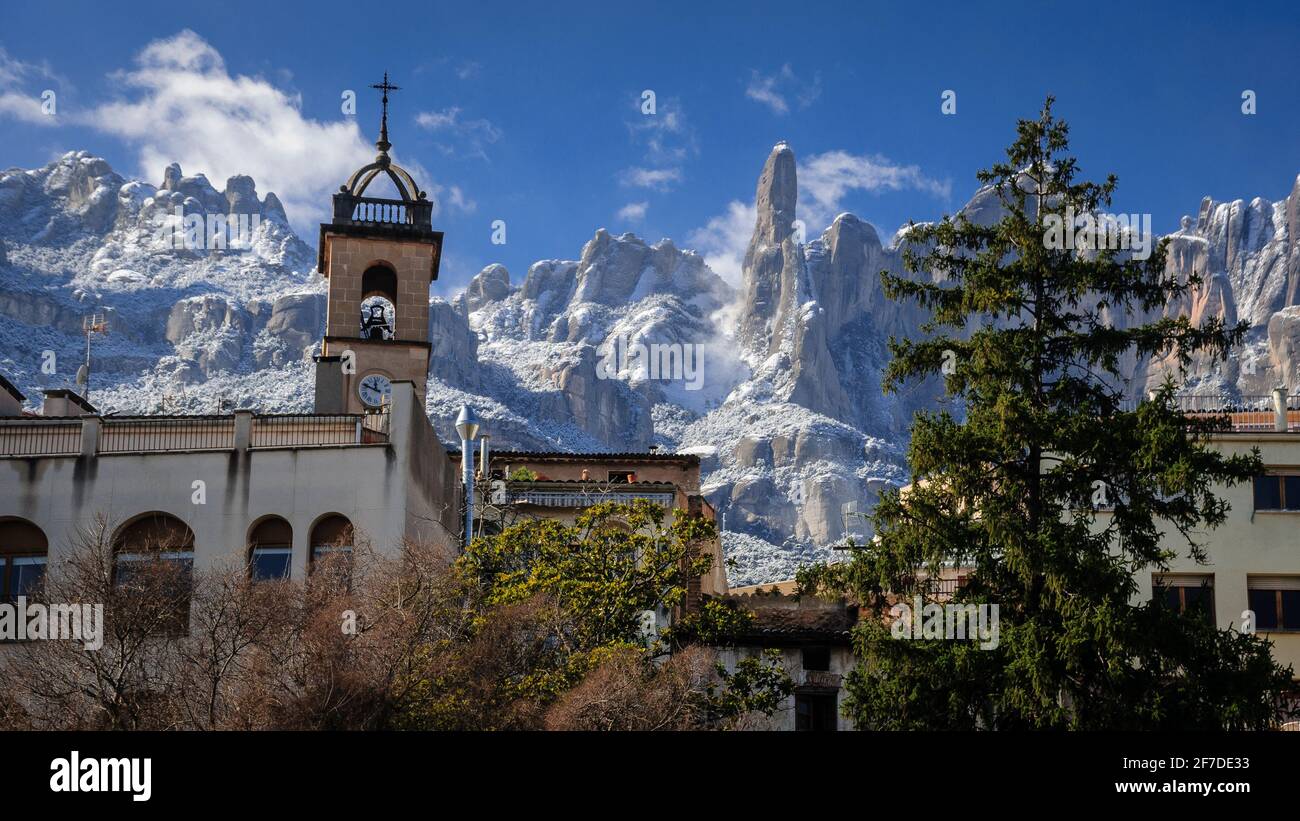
[332, 540]
[23, 553]
[378, 303]
[153, 556]
[152, 537]
[270, 549]
[331, 535]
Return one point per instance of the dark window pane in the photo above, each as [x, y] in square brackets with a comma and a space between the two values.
[1199, 601]
[26, 575]
[814, 711]
[335, 559]
[816, 658]
[1292, 488]
[1291, 609]
[1268, 493]
[1264, 603]
[124, 571]
[129, 567]
[1169, 596]
[271, 563]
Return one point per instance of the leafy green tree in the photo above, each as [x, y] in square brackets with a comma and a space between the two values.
[1020, 333]
[598, 578]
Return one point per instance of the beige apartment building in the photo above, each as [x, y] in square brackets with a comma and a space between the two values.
[1254, 556]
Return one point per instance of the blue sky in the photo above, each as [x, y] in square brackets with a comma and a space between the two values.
[530, 113]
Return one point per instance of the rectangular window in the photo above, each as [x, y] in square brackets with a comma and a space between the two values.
[814, 711]
[321, 552]
[129, 567]
[1187, 595]
[816, 658]
[1275, 601]
[20, 576]
[25, 575]
[128, 564]
[271, 563]
[336, 557]
[1277, 492]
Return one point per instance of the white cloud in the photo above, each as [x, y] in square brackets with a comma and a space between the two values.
[658, 179]
[825, 179]
[182, 105]
[456, 198]
[468, 69]
[724, 240]
[470, 137]
[772, 90]
[666, 141]
[21, 89]
[633, 211]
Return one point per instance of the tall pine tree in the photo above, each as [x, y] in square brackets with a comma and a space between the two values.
[1019, 334]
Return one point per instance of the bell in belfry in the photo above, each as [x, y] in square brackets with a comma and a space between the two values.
[375, 325]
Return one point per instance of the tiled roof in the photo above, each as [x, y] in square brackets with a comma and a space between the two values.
[808, 620]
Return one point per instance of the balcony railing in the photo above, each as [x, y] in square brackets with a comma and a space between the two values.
[376, 211]
[577, 497]
[25, 436]
[822, 679]
[1241, 414]
[147, 434]
[307, 430]
[52, 436]
[1245, 413]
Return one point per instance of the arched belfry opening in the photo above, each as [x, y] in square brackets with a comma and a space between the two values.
[378, 303]
[379, 254]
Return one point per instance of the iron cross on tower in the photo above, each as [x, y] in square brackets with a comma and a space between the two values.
[383, 145]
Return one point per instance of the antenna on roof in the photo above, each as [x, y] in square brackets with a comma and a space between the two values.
[96, 323]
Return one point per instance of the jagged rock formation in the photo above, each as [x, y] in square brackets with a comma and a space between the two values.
[1248, 255]
[83, 240]
[785, 409]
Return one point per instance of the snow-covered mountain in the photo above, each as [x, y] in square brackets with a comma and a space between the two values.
[776, 384]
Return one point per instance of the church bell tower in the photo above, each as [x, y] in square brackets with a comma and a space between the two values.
[379, 256]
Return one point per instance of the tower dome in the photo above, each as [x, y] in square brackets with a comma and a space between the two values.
[412, 209]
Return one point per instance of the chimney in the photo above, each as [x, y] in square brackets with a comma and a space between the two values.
[63, 402]
[483, 463]
[11, 399]
[1279, 409]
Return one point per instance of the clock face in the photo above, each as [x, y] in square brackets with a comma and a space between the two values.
[375, 390]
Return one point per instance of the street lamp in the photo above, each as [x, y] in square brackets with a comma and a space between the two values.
[467, 427]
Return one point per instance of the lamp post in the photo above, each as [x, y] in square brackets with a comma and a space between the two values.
[467, 427]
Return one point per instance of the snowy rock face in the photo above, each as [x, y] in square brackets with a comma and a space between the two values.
[776, 386]
[180, 308]
[454, 347]
[492, 284]
[1248, 256]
